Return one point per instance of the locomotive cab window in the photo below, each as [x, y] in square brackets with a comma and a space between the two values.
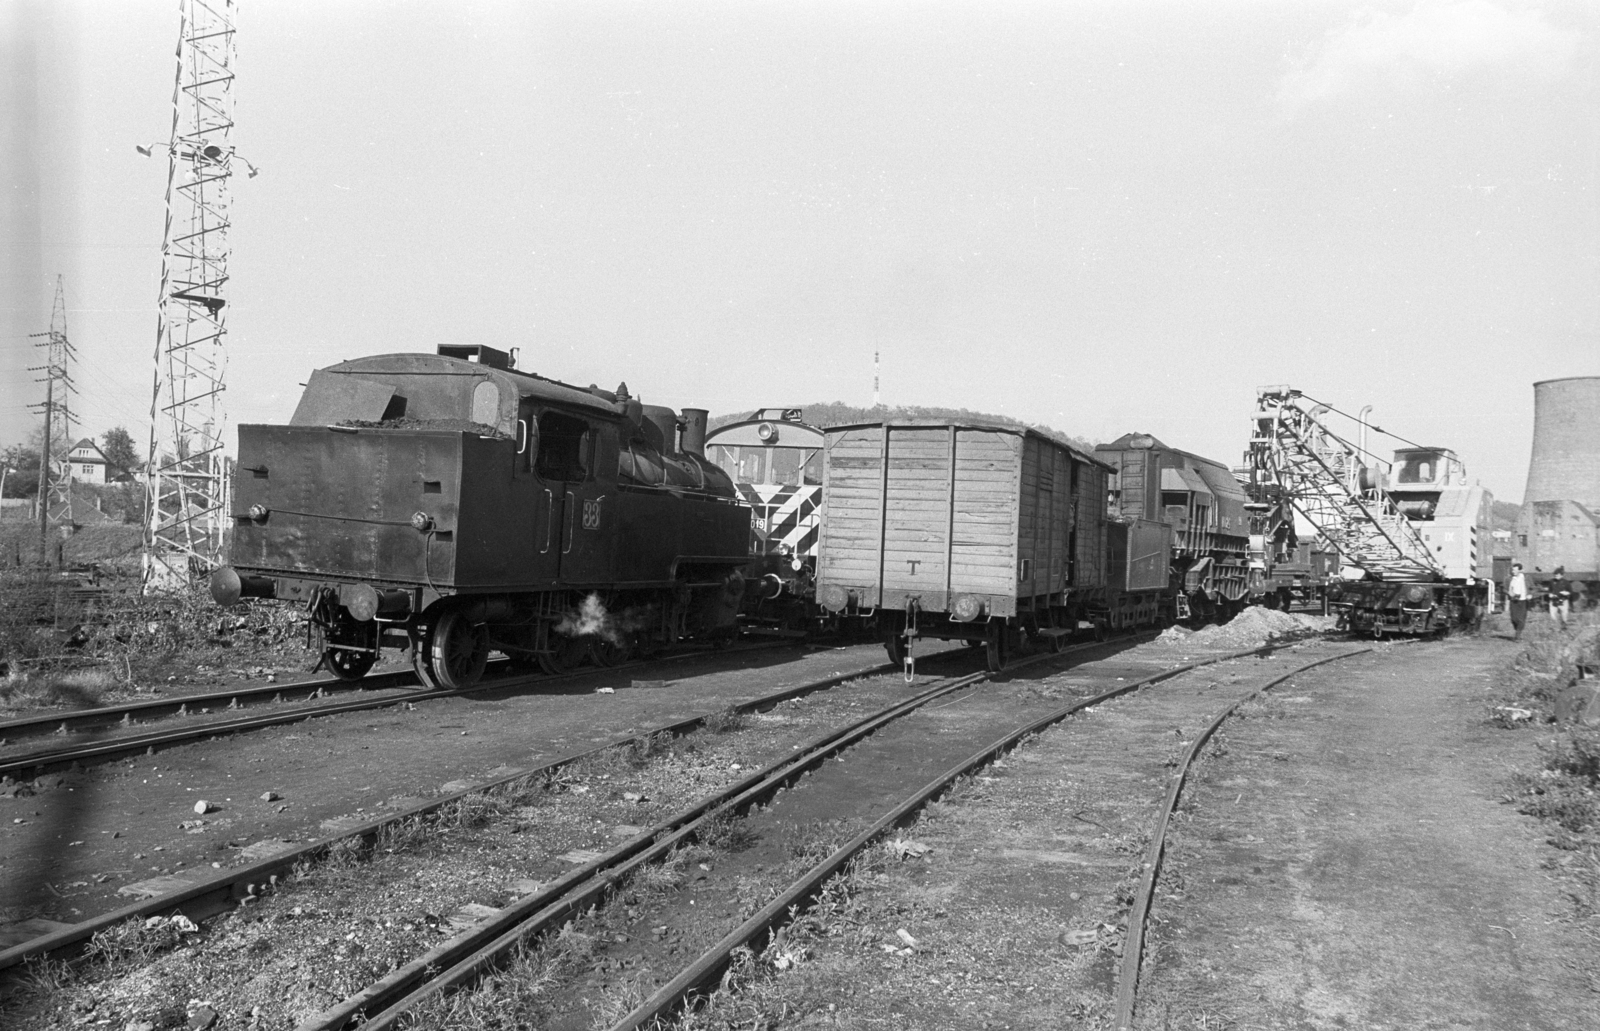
[742, 464]
[1419, 468]
[795, 466]
[772, 466]
[563, 443]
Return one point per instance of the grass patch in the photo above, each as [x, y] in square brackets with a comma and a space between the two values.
[57, 629]
[1562, 786]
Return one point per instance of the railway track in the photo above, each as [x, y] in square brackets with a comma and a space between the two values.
[210, 894]
[375, 692]
[458, 962]
[704, 971]
[461, 960]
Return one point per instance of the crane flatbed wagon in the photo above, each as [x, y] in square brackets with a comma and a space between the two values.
[1411, 535]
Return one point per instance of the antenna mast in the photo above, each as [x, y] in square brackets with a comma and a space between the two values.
[185, 473]
[55, 483]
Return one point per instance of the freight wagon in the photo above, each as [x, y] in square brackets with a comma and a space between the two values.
[1203, 503]
[977, 533]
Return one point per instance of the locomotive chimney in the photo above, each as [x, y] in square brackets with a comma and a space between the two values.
[694, 431]
[1566, 442]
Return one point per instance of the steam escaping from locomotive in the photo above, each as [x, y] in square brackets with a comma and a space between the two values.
[592, 620]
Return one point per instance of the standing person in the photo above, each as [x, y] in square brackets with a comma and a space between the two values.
[1517, 600]
[1559, 594]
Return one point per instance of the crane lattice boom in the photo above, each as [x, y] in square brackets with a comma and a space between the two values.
[1296, 459]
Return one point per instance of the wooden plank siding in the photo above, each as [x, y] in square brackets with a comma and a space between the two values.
[930, 511]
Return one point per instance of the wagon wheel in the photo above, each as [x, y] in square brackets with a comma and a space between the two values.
[565, 655]
[895, 645]
[348, 665]
[341, 662]
[996, 650]
[606, 651]
[457, 650]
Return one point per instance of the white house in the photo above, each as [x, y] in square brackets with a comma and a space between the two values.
[87, 463]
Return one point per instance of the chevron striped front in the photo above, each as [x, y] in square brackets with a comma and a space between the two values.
[783, 515]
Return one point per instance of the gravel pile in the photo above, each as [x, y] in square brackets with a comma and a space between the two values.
[1253, 627]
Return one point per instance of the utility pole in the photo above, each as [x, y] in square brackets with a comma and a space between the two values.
[55, 487]
[877, 401]
[186, 473]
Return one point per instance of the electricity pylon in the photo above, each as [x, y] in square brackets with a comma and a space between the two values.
[55, 479]
[185, 474]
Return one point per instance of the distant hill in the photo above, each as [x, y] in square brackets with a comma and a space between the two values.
[1505, 514]
[837, 413]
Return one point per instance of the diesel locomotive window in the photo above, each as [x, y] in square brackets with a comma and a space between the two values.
[742, 464]
[564, 444]
[795, 466]
[786, 466]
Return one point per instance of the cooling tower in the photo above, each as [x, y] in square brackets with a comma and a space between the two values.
[1566, 442]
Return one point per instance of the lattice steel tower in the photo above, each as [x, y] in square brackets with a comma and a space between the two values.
[186, 481]
[55, 479]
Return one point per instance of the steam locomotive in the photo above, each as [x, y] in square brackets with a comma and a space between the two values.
[448, 504]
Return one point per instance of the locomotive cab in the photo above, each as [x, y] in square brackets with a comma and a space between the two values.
[775, 462]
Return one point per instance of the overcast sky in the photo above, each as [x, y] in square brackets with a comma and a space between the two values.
[1101, 216]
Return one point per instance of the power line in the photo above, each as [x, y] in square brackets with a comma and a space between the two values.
[55, 479]
[1356, 418]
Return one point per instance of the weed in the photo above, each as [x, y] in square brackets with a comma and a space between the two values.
[642, 749]
[407, 835]
[815, 841]
[43, 976]
[133, 942]
[618, 1000]
[725, 721]
[656, 879]
[474, 810]
[725, 832]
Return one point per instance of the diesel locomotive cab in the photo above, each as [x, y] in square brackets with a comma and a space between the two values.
[775, 461]
[448, 505]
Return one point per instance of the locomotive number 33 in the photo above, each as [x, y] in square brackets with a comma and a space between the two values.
[591, 514]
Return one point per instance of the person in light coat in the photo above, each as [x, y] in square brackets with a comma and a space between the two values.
[1517, 600]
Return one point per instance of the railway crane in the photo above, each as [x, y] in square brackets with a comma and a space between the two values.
[1411, 534]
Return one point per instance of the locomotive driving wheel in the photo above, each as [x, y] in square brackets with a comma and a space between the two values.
[455, 652]
[565, 655]
[607, 651]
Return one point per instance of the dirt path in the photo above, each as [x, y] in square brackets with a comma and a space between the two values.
[1348, 863]
[1342, 859]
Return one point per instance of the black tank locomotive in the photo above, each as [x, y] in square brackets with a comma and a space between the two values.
[449, 505]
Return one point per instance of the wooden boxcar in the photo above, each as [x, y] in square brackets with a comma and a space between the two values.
[962, 532]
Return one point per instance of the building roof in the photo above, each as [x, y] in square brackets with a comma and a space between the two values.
[98, 456]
